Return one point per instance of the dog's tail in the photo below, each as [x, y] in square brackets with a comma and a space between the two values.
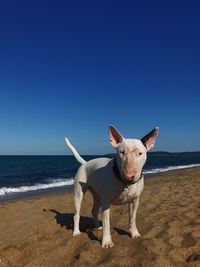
[74, 152]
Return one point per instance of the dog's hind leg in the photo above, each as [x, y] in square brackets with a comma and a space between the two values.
[79, 190]
[95, 210]
[78, 197]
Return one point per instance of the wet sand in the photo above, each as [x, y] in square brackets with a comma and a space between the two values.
[37, 231]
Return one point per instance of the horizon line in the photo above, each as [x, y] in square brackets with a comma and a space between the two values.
[159, 151]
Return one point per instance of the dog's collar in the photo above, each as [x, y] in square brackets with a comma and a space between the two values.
[119, 177]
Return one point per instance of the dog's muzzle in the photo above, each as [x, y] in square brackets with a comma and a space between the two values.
[119, 176]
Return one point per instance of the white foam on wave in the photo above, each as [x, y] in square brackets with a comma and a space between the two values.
[21, 189]
[170, 168]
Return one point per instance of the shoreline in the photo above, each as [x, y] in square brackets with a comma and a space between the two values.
[34, 194]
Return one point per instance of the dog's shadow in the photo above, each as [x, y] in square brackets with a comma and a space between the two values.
[86, 224]
[67, 220]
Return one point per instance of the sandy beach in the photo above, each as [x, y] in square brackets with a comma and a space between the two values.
[37, 231]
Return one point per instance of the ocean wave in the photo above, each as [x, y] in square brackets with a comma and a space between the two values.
[52, 184]
[170, 168]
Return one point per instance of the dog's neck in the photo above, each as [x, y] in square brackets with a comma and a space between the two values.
[118, 174]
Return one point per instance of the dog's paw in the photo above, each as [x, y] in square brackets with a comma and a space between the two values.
[135, 234]
[97, 225]
[107, 244]
[75, 233]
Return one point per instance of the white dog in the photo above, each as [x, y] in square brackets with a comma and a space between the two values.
[113, 181]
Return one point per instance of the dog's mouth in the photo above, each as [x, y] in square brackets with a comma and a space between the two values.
[131, 179]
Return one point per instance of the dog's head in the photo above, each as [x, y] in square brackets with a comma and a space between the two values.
[131, 153]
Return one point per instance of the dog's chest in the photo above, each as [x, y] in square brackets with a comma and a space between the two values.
[129, 194]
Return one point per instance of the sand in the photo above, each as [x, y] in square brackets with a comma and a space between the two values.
[37, 231]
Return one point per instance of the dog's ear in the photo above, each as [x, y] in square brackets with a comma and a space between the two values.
[115, 136]
[149, 139]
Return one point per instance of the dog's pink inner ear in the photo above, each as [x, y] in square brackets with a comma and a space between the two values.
[149, 139]
[115, 136]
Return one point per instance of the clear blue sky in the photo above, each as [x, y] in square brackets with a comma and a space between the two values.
[70, 68]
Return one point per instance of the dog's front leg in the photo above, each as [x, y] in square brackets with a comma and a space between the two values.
[106, 240]
[133, 206]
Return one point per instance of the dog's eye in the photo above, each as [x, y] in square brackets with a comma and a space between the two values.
[122, 152]
[140, 153]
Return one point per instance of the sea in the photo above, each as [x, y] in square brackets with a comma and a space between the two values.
[24, 176]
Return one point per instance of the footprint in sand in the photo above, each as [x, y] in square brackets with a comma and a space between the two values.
[188, 240]
[194, 257]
